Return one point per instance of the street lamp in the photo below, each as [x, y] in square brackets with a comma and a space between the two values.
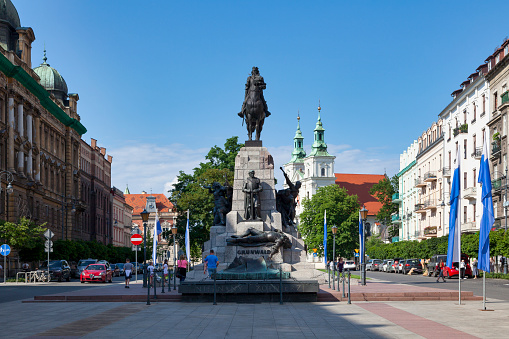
[334, 230]
[363, 213]
[144, 217]
[174, 232]
[9, 190]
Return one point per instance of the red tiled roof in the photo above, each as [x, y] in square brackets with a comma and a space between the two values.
[139, 201]
[360, 184]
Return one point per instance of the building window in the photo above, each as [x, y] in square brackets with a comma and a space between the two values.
[323, 172]
[484, 103]
[474, 111]
[464, 214]
[474, 208]
[475, 177]
[495, 103]
[465, 184]
[464, 116]
[464, 149]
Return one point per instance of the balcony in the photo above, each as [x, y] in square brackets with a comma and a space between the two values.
[470, 193]
[430, 176]
[395, 198]
[430, 231]
[446, 172]
[477, 153]
[469, 227]
[495, 148]
[396, 219]
[505, 97]
[419, 208]
[461, 129]
[430, 204]
[419, 182]
[497, 185]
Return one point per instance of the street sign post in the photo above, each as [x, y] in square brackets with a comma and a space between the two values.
[48, 234]
[5, 250]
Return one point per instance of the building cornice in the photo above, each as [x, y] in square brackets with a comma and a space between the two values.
[460, 97]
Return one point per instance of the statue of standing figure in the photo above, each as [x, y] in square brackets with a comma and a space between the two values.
[252, 188]
[286, 201]
[222, 205]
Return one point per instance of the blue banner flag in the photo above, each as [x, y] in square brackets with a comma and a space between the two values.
[325, 237]
[454, 217]
[157, 226]
[487, 218]
[188, 243]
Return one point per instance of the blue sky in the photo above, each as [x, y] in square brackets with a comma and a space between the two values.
[161, 82]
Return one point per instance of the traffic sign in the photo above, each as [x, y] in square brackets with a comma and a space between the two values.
[48, 250]
[135, 248]
[5, 250]
[136, 239]
[48, 234]
[48, 243]
[356, 255]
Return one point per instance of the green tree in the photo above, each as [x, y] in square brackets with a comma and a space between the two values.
[383, 191]
[23, 235]
[189, 194]
[342, 211]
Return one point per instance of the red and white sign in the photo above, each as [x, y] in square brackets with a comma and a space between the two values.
[136, 239]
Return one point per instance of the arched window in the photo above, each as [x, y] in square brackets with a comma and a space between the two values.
[323, 172]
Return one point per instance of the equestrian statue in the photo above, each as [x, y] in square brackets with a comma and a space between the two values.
[254, 109]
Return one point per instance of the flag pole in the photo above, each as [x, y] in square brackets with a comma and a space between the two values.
[484, 290]
[458, 229]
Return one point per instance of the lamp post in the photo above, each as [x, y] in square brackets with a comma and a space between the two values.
[144, 217]
[363, 213]
[334, 230]
[174, 232]
[9, 190]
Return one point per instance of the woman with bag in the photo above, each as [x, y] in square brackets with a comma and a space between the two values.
[182, 268]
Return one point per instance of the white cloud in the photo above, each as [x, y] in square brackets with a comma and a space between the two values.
[154, 167]
[149, 167]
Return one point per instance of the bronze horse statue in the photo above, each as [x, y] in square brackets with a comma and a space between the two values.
[254, 109]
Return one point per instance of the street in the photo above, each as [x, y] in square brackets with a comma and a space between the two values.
[495, 288]
[12, 292]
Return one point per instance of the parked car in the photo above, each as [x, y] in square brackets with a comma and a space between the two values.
[453, 271]
[58, 269]
[377, 265]
[387, 265]
[115, 270]
[349, 265]
[121, 268]
[369, 265]
[412, 263]
[83, 263]
[96, 272]
[433, 269]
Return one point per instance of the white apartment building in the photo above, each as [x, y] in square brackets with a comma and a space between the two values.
[429, 181]
[408, 194]
[465, 121]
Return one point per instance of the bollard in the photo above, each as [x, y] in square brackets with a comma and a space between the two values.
[154, 282]
[169, 280]
[343, 283]
[328, 271]
[148, 285]
[334, 278]
[164, 277]
[215, 303]
[280, 286]
[349, 300]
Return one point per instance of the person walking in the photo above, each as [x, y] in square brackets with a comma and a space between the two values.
[128, 268]
[340, 268]
[474, 268]
[462, 269]
[210, 264]
[150, 270]
[182, 268]
[441, 267]
[165, 270]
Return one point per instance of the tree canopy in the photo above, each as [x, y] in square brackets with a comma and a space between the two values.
[342, 211]
[189, 193]
[383, 191]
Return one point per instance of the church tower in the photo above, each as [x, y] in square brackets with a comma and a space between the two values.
[318, 165]
[295, 167]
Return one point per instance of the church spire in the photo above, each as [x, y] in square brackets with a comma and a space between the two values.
[126, 191]
[319, 146]
[298, 153]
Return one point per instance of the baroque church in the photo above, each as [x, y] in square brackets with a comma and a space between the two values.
[317, 170]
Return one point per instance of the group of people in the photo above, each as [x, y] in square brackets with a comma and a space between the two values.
[180, 273]
[338, 264]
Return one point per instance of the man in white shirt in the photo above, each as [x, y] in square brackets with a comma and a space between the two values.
[150, 270]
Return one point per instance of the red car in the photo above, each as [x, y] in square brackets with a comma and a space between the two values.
[451, 272]
[96, 272]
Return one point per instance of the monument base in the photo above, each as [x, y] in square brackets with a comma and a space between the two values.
[249, 291]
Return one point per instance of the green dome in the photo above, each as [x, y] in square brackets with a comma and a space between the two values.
[51, 80]
[8, 13]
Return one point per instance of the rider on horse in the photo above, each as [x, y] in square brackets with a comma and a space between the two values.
[254, 109]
